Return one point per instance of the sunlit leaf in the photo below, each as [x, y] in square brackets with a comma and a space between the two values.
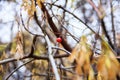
[108, 65]
[86, 64]
[101, 67]
[91, 74]
[107, 62]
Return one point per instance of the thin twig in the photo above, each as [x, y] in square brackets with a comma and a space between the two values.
[54, 28]
[37, 57]
[18, 68]
[11, 60]
[103, 25]
[62, 49]
[34, 56]
[67, 69]
[95, 8]
[61, 23]
[27, 26]
[72, 15]
[113, 26]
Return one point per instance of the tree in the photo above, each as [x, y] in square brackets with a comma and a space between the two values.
[63, 40]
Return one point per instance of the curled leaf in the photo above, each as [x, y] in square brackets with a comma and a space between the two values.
[19, 46]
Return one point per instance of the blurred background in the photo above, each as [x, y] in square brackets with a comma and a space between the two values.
[103, 17]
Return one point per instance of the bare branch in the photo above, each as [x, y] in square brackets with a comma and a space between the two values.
[34, 56]
[61, 49]
[11, 60]
[96, 9]
[52, 59]
[27, 29]
[54, 28]
[102, 22]
[72, 15]
[113, 26]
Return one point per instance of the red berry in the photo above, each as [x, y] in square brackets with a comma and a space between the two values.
[59, 39]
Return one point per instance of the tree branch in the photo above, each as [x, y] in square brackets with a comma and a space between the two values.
[54, 28]
[102, 22]
[52, 61]
[61, 49]
[113, 26]
[34, 56]
[72, 15]
[11, 60]
[18, 68]
[27, 26]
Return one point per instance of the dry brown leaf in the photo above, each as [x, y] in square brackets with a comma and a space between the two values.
[107, 68]
[113, 70]
[29, 6]
[3, 56]
[91, 74]
[39, 3]
[83, 59]
[82, 53]
[74, 53]
[86, 65]
[102, 70]
[19, 48]
[79, 71]
[108, 65]
[32, 8]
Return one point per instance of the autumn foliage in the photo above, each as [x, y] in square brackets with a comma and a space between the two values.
[48, 54]
[106, 64]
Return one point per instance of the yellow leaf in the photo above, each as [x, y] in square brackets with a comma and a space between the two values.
[78, 70]
[108, 65]
[101, 68]
[91, 74]
[107, 62]
[86, 66]
[113, 71]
